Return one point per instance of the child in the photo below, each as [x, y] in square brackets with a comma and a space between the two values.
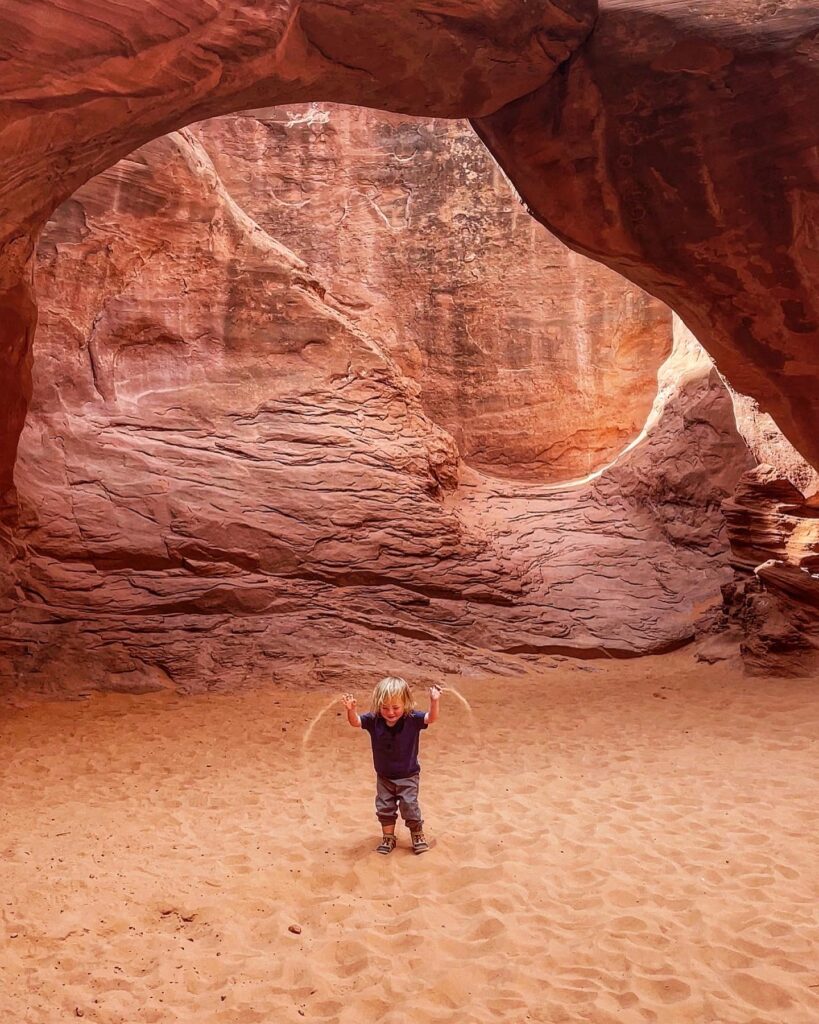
[394, 729]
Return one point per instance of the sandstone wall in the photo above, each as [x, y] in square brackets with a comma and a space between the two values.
[677, 145]
[674, 142]
[772, 606]
[541, 364]
[231, 472]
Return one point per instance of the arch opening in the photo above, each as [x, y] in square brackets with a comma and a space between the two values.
[224, 434]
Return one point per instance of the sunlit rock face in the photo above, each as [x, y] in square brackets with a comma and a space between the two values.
[541, 364]
[678, 146]
[85, 83]
[228, 475]
[769, 445]
[646, 134]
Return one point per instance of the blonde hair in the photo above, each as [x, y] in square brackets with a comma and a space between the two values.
[395, 687]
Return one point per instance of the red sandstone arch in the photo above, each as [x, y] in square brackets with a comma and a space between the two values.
[85, 84]
[678, 146]
[660, 148]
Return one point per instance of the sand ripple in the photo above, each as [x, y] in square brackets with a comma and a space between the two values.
[601, 856]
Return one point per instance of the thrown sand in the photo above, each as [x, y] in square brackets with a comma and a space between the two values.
[628, 844]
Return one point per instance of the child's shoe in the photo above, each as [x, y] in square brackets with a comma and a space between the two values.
[419, 844]
[387, 844]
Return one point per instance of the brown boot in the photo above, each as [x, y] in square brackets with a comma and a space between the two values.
[419, 843]
[387, 844]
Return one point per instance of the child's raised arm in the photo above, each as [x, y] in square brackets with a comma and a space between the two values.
[349, 702]
[434, 698]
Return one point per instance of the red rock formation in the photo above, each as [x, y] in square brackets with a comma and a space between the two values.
[541, 364]
[675, 147]
[769, 519]
[223, 471]
[659, 148]
[774, 535]
[86, 84]
[768, 445]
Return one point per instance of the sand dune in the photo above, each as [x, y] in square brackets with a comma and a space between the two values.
[627, 842]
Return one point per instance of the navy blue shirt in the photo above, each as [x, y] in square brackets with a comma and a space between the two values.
[395, 747]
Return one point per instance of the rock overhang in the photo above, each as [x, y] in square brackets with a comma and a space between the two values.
[81, 91]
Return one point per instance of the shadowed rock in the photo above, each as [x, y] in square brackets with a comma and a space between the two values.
[774, 535]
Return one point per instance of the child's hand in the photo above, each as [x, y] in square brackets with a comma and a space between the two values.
[349, 701]
[435, 693]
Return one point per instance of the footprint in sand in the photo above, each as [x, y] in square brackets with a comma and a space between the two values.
[761, 994]
[667, 990]
[488, 929]
[627, 924]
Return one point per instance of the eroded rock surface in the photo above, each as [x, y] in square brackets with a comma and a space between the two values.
[655, 143]
[676, 147]
[85, 84]
[774, 601]
[541, 364]
[225, 476]
[768, 445]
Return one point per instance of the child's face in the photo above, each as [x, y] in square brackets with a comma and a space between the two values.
[391, 710]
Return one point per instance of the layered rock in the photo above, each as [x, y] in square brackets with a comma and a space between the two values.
[675, 147]
[87, 84]
[774, 602]
[541, 365]
[225, 476]
[770, 520]
[658, 147]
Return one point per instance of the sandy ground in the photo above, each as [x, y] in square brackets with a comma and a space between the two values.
[633, 843]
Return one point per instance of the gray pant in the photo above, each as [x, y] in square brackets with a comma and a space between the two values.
[394, 795]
